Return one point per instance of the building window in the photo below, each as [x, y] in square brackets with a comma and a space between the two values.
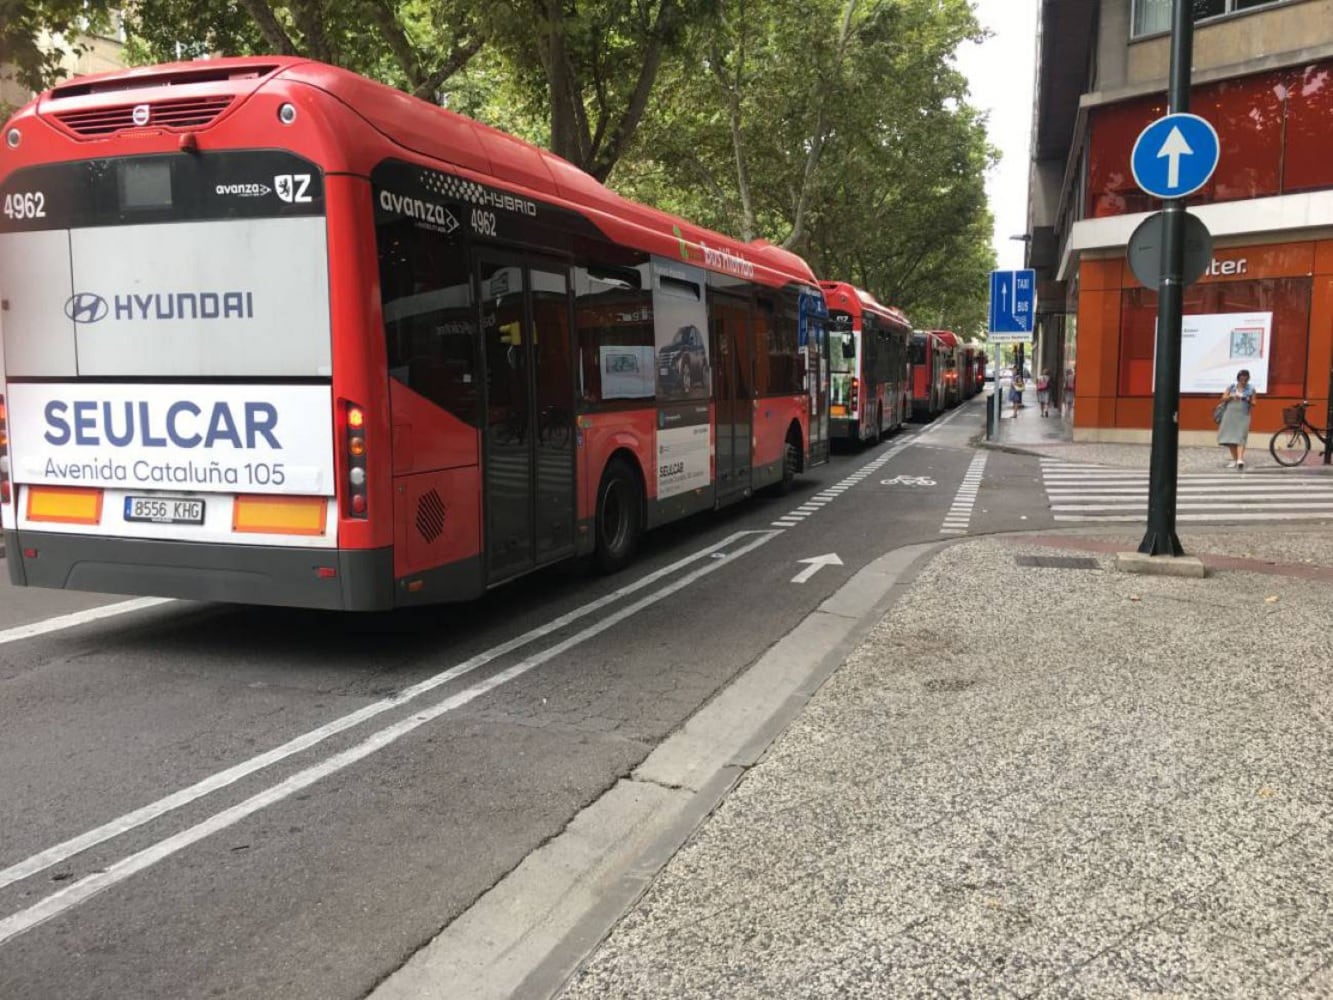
[1288, 299]
[1153, 16]
[1273, 128]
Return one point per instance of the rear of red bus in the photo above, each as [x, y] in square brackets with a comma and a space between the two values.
[189, 402]
[925, 376]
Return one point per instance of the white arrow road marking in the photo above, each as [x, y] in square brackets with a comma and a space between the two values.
[816, 563]
[1174, 148]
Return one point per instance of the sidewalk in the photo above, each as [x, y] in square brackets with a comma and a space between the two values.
[1052, 437]
[1116, 786]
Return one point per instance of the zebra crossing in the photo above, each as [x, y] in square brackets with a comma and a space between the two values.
[1083, 492]
[958, 519]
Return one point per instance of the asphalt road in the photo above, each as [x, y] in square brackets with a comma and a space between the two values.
[210, 800]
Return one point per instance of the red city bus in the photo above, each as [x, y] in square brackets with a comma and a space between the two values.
[278, 334]
[869, 344]
[967, 372]
[979, 360]
[928, 375]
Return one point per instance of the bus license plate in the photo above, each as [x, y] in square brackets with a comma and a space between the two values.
[164, 510]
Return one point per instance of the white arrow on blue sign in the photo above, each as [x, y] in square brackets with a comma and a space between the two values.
[1013, 301]
[1175, 155]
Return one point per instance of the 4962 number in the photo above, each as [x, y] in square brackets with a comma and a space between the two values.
[25, 205]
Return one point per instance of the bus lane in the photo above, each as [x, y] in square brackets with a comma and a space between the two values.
[462, 795]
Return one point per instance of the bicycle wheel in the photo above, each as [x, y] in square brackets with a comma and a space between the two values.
[1290, 446]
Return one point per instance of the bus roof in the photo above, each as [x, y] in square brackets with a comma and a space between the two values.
[948, 337]
[843, 295]
[405, 121]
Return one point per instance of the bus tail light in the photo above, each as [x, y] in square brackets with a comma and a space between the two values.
[278, 515]
[853, 393]
[354, 418]
[64, 504]
[5, 494]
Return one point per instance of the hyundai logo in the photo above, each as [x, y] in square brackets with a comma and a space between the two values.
[86, 307]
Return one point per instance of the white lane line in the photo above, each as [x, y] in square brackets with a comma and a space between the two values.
[145, 814]
[1261, 516]
[1220, 505]
[62, 622]
[1240, 498]
[84, 889]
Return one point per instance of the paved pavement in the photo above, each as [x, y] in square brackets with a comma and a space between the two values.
[1049, 780]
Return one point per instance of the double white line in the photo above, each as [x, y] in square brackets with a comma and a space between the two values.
[717, 556]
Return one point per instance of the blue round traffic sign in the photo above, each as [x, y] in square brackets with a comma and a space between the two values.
[1175, 155]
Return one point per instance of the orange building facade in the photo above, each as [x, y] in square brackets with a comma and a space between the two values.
[1116, 328]
[1264, 79]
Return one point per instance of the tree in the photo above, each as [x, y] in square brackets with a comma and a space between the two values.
[592, 64]
[26, 24]
[413, 44]
[840, 129]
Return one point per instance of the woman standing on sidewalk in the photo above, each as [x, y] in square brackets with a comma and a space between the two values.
[1044, 391]
[1234, 427]
[1016, 391]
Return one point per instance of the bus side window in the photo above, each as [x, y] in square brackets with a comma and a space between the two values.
[429, 325]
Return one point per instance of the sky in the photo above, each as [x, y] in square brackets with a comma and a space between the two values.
[1000, 75]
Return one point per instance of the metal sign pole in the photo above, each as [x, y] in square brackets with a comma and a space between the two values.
[1161, 539]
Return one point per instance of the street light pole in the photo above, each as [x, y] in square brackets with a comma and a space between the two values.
[1160, 539]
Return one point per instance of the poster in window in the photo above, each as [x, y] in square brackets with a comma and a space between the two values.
[680, 325]
[627, 371]
[1214, 347]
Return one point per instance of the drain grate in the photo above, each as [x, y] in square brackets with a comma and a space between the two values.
[1057, 562]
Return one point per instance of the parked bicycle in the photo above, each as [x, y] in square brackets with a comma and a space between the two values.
[1291, 445]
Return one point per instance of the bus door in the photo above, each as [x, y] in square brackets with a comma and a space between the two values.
[733, 393]
[814, 338]
[528, 450]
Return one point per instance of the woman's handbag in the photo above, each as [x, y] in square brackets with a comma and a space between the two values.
[1218, 410]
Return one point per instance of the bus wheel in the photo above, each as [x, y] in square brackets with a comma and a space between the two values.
[791, 465]
[619, 517]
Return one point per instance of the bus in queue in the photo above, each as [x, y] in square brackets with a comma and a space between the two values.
[869, 344]
[929, 364]
[953, 366]
[967, 372]
[278, 334]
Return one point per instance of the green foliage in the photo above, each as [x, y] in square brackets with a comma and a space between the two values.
[26, 24]
[841, 129]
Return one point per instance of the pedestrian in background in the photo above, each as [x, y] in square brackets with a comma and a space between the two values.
[1234, 428]
[1016, 391]
[1044, 391]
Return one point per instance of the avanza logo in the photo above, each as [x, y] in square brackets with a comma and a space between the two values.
[85, 307]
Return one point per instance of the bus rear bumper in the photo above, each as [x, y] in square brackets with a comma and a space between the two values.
[361, 579]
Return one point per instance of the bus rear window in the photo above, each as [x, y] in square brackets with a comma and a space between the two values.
[145, 184]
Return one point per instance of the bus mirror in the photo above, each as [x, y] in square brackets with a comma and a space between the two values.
[848, 346]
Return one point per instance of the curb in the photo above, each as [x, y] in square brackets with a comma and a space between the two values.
[528, 935]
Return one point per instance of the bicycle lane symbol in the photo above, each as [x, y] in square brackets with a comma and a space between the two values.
[908, 481]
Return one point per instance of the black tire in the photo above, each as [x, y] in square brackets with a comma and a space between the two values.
[619, 517]
[791, 465]
[1290, 446]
